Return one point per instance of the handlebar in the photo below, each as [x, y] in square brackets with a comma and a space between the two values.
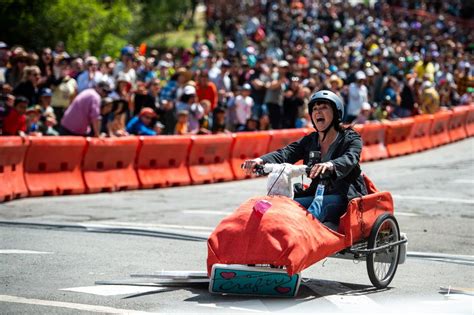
[259, 170]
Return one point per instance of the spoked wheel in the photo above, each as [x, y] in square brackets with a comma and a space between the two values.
[382, 264]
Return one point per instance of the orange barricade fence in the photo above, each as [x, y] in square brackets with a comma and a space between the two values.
[247, 145]
[12, 155]
[457, 123]
[208, 158]
[470, 121]
[109, 164]
[53, 166]
[358, 128]
[397, 137]
[420, 133]
[439, 128]
[281, 138]
[373, 137]
[161, 161]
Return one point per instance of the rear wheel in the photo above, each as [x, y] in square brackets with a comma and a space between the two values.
[382, 264]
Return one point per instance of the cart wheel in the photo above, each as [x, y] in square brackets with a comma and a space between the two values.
[382, 265]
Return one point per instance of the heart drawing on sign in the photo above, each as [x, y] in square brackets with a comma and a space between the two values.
[227, 275]
[283, 290]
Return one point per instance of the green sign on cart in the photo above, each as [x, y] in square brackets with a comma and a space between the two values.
[244, 280]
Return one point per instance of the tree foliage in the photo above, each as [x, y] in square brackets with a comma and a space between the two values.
[97, 26]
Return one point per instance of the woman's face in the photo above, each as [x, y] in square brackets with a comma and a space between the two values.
[322, 115]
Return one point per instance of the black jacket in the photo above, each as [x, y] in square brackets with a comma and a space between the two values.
[346, 179]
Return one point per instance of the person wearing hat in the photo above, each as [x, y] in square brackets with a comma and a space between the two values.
[45, 102]
[142, 124]
[181, 127]
[331, 150]
[189, 103]
[33, 115]
[358, 94]
[82, 117]
[243, 106]
[19, 59]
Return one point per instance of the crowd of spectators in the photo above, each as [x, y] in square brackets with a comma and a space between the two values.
[256, 71]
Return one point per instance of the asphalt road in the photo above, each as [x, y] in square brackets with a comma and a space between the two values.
[52, 249]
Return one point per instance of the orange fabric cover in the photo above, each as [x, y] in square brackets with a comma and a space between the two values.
[286, 235]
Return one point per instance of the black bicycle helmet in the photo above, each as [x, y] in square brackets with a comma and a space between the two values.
[333, 98]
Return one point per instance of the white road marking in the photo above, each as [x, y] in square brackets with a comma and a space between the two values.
[108, 290]
[75, 306]
[149, 225]
[21, 251]
[345, 298]
[406, 214]
[464, 181]
[251, 305]
[436, 199]
[205, 212]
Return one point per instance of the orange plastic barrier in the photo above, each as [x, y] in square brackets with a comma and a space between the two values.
[12, 155]
[457, 124]
[53, 166]
[397, 137]
[420, 133]
[281, 138]
[161, 161]
[209, 159]
[247, 145]
[470, 121]
[358, 128]
[439, 128]
[109, 164]
[373, 137]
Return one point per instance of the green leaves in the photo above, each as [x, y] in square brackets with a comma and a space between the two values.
[97, 26]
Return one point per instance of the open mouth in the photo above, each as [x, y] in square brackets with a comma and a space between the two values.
[320, 120]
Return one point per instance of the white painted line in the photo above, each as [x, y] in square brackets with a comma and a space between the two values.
[108, 290]
[205, 212]
[147, 225]
[75, 306]
[436, 199]
[406, 214]
[345, 298]
[464, 181]
[21, 251]
[250, 305]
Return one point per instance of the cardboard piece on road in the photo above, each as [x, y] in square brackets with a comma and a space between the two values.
[454, 290]
[174, 275]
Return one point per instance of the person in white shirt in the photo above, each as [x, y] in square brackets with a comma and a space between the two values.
[243, 105]
[90, 77]
[358, 95]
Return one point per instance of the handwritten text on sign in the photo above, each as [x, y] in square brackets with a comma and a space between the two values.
[254, 282]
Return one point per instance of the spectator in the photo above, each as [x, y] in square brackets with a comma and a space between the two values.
[14, 123]
[4, 56]
[105, 113]
[464, 79]
[84, 112]
[205, 122]
[293, 102]
[274, 94]
[116, 124]
[218, 121]
[251, 124]
[429, 98]
[189, 103]
[182, 123]
[47, 126]
[206, 90]
[45, 102]
[243, 106]
[90, 77]
[33, 115]
[45, 64]
[19, 60]
[365, 114]
[28, 87]
[358, 94]
[142, 124]
[64, 87]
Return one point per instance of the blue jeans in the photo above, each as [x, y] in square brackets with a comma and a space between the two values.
[332, 208]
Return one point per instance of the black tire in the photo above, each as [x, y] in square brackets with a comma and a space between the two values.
[382, 265]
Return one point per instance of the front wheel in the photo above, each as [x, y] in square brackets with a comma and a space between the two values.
[382, 264]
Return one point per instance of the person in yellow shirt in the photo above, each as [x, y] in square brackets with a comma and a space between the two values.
[429, 98]
[425, 69]
[181, 127]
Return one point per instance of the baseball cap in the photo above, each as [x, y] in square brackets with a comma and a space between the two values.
[246, 86]
[147, 111]
[3, 45]
[283, 64]
[189, 90]
[360, 75]
[46, 92]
